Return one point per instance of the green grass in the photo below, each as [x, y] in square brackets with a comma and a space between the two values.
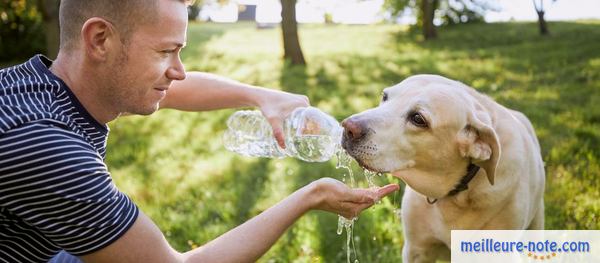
[174, 166]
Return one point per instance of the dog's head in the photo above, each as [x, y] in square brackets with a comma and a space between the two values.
[426, 131]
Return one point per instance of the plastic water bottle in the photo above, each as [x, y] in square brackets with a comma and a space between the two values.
[310, 135]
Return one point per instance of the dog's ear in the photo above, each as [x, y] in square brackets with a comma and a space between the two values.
[479, 141]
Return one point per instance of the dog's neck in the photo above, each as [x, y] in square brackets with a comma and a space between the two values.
[463, 183]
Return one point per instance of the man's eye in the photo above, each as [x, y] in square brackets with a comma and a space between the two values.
[417, 119]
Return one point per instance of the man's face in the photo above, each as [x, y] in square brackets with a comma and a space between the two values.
[146, 66]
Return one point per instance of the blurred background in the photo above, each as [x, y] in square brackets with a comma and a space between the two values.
[539, 57]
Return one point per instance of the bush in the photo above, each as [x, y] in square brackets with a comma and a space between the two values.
[21, 30]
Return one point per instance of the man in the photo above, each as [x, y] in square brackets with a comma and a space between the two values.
[118, 57]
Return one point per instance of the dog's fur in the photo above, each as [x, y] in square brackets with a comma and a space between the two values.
[461, 127]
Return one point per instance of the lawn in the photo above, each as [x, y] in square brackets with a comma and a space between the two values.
[175, 167]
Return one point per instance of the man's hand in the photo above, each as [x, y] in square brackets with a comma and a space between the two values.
[202, 91]
[276, 106]
[334, 196]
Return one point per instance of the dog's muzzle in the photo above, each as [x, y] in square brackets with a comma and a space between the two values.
[354, 141]
[354, 132]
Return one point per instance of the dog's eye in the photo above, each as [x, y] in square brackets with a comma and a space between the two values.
[417, 119]
[385, 97]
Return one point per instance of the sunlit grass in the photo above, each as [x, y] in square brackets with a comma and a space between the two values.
[174, 165]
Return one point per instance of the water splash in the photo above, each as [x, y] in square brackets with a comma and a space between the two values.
[369, 176]
[343, 162]
[348, 224]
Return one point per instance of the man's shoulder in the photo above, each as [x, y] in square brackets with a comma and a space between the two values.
[57, 188]
[43, 134]
[44, 148]
[30, 83]
[29, 93]
[18, 116]
[31, 72]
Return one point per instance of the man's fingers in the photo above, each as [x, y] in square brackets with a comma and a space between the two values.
[278, 132]
[371, 195]
[361, 196]
[385, 190]
[359, 199]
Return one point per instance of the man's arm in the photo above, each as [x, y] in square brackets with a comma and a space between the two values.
[246, 243]
[204, 91]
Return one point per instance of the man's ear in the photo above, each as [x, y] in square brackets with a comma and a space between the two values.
[479, 142]
[98, 37]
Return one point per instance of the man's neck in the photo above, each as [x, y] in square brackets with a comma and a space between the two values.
[84, 83]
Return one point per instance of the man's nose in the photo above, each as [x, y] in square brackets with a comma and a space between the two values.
[176, 71]
[354, 129]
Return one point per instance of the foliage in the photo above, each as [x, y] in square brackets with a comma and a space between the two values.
[194, 9]
[21, 32]
[460, 12]
[174, 165]
[448, 11]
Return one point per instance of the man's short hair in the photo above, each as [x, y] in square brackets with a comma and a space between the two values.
[125, 15]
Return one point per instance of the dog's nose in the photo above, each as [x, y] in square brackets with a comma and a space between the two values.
[353, 129]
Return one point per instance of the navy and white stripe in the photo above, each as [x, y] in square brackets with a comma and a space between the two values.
[55, 191]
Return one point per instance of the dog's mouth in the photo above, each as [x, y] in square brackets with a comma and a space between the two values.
[363, 160]
[366, 153]
[366, 166]
[368, 161]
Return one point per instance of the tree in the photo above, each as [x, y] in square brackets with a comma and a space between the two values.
[289, 27]
[49, 10]
[194, 10]
[447, 11]
[541, 21]
[196, 6]
[427, 14]
[21, 31]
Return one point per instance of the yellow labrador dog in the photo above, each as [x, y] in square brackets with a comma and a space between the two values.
[468, 162]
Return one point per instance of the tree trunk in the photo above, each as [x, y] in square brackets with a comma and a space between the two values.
[289, 27]
[542, 23]
[193, 11]
[428, 13]
[49, 10]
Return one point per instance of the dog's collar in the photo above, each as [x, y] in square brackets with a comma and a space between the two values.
[463, 184]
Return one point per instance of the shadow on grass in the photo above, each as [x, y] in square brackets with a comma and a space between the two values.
[249, 183]
[294, 78]
[228, 202]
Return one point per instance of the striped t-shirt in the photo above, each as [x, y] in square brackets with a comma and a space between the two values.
[55, 190]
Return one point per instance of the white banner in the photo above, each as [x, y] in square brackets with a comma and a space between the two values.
[553, 246]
